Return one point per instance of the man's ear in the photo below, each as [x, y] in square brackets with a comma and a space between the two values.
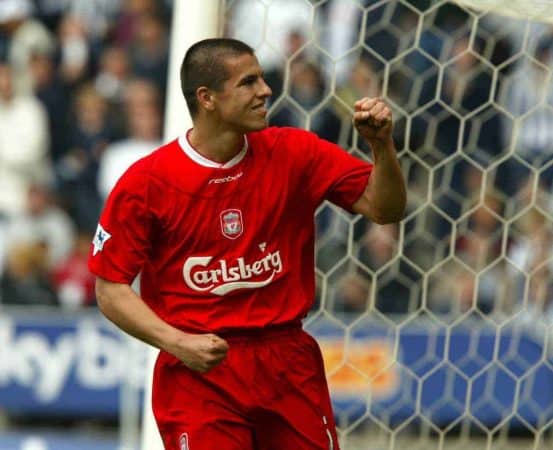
[205, 98]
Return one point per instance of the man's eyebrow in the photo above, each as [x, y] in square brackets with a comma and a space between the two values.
[251, 77]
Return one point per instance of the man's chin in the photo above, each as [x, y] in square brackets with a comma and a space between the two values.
[258, 126]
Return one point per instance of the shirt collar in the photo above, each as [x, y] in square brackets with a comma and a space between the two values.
[195, 156]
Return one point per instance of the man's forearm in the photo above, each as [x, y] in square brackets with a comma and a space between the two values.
[384, 198]
[386, 187]
[121, 305]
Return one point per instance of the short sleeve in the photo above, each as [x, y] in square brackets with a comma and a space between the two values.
[334, 174]
[122, 240]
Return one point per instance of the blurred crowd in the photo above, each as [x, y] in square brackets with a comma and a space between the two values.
[473, 108]
[82, 89]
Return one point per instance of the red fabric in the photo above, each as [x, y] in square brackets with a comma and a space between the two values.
[270, 393]
[223, 249]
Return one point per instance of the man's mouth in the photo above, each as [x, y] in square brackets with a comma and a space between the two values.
[261, 109]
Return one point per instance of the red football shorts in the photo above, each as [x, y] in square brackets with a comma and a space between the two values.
[270, 393]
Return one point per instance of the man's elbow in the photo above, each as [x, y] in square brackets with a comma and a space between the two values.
[104, 295]
[382, 207]
[388, 214]
[387, 217]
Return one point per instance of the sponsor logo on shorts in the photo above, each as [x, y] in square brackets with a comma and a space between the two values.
[224, 276]
[183, 441]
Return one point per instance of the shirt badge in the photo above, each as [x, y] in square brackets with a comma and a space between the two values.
[232, 224]
[100, 239]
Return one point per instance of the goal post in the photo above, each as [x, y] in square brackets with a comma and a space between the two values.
[192, 20]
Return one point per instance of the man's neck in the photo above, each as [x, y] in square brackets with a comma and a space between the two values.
[217, 146]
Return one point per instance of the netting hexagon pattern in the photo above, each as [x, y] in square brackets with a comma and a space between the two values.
[436, 331]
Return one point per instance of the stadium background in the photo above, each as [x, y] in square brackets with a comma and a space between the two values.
[436, 332]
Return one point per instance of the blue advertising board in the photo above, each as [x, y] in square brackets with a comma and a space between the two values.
[470, 371]
[77, 365]
[55, 441]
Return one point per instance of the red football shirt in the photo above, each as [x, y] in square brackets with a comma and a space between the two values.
[225, 246]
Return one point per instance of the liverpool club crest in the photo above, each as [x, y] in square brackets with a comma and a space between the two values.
[232, 225]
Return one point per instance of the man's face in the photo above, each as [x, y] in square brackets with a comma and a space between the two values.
[241, 102]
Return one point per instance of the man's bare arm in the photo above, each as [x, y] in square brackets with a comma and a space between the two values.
[120, 304]
[385, 196]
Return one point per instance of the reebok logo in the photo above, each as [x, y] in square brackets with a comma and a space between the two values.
[222, 277]
[226, 179]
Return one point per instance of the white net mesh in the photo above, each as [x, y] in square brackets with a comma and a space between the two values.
[538, 10]
[435, 331]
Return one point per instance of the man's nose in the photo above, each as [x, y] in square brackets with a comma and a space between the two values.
[266, 91]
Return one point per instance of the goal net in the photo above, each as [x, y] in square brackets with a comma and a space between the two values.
[436, 332]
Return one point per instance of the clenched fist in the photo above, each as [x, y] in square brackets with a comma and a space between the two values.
[373, 119]
[201, 352]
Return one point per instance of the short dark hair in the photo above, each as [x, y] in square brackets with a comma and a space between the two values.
[204, 65]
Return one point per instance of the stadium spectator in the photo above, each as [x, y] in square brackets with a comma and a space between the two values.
[149, 51]
[45, 223]
[307, 89]
[24, 141]
[26, 37]
[378, 246]
[284, 17]
[50, 12]
[397, 290]
[295, 45]
[126, 28]
[352, 293]
[26, 279]
[50, 91]
[531, 254]
[98, 16]
[466, 90]
[89, 135]
[466, 87]
[144, 134]
[341, 26]
[478, 247]
[77, 51]
[375, 248]
[73, 282]
[362, 81]
[113, 74]
[528, 96]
